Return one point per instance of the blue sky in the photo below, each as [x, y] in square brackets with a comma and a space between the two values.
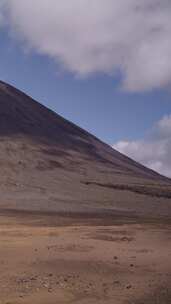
[92, 95]
[95, 102]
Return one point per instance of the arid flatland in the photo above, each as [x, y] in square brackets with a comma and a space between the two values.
[56, 259]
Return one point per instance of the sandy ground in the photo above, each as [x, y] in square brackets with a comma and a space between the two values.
[54, 259]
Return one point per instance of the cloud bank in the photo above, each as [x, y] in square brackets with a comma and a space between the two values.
[128, 38]
[154, 151]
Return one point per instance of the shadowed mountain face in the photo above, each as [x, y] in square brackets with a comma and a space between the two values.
[48, 163]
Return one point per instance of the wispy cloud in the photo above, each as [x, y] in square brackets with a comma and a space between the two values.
[129, 37]
[2, 21]
[153, 151]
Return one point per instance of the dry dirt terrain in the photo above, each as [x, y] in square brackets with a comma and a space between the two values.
[52, 258]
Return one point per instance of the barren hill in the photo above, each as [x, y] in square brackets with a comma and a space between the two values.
[49, 164]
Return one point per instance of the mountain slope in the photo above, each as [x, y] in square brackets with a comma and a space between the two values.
[48, 163]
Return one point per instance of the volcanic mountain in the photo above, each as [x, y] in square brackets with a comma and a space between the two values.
[49, 164]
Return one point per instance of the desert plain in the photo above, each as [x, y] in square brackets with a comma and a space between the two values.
[57, 258]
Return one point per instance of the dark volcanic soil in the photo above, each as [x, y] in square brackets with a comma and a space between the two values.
[49, 164]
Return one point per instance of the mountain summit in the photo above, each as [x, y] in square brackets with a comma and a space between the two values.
[48, 163]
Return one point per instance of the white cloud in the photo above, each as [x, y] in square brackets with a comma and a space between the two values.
[2, 21]
[129, 37]
[154, 151]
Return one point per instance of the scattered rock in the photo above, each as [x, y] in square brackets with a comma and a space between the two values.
[116, 282]
[50, 290]
[129, 286]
